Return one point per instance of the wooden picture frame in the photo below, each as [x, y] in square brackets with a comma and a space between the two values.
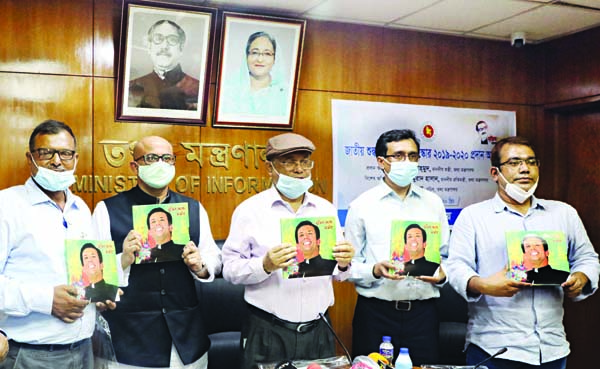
[164, 62]
[259, 70]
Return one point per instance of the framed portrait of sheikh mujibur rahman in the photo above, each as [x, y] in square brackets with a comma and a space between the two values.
[258, 71]
[164, 62]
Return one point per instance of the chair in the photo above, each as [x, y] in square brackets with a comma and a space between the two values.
[452, 313]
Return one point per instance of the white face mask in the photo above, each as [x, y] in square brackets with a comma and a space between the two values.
[157, 175]
[402, 173]
[515, 192]
[291, 187]
[52, 180]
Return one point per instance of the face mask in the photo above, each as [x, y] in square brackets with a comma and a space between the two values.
[52, 180]
[402, 173]
[291, 187]
[157, 175]
[517, 193]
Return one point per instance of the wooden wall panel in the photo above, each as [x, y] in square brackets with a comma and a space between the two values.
[580, 151]
[225, 187]
[28, 99]
[42, 36]
[454, 68]
[572, 70]
[337, 55]
[107, 22]
[384, 61]
[342, 313]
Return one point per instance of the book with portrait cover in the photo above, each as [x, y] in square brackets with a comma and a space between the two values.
[92, 269]
[314, 238]
[537, 257]
[415, 247]
[165, 230]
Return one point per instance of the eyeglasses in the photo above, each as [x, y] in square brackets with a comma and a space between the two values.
[291, 164]
[401, 156]
[48, 154]
[172, 40]
[256, 54]
[154, 158]
[516, 162]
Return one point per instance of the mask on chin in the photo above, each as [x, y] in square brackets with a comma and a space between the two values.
[52, 180]
[291, 187]
[516, 192]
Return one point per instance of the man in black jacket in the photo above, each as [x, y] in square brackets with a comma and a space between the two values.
[159, 321]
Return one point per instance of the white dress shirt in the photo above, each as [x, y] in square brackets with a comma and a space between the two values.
[33, 230]
[368, 227]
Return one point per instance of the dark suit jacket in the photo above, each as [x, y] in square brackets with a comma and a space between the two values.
[315, 267]
[101, 291]
[420, 266]
[546, 275]
[176, 91]
[166, 252]
[160, 307]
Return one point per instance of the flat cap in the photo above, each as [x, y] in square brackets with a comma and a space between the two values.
[287, 143]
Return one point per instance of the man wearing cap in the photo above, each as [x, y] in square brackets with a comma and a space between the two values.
[283, 312]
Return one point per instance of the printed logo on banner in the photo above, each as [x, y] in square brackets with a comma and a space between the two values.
[428, 132]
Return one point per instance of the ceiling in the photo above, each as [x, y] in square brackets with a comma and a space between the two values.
[540, 20]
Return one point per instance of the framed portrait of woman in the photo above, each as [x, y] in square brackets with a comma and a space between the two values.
[258, 71]
[164, 64]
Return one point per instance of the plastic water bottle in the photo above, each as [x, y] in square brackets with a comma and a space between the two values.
[403, 360]
[386, 349]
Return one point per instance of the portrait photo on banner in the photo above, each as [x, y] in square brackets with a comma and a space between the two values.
[258, 71]
[164, 62]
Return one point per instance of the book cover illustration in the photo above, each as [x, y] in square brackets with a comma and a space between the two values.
[537, 257]
[415, 247]
[314, 238]
[164, 229]
[92, 269]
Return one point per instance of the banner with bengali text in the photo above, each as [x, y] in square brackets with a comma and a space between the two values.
[455, 149]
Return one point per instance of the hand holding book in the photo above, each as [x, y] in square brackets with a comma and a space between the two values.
[575, 284]
[193, 259]
[280, 256]
[343, 252]
[132, 245]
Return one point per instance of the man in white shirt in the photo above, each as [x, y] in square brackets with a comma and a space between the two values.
[47, 324]
[390, 304]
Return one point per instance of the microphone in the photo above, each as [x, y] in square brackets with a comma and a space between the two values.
[336, 337]
[500, 352]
